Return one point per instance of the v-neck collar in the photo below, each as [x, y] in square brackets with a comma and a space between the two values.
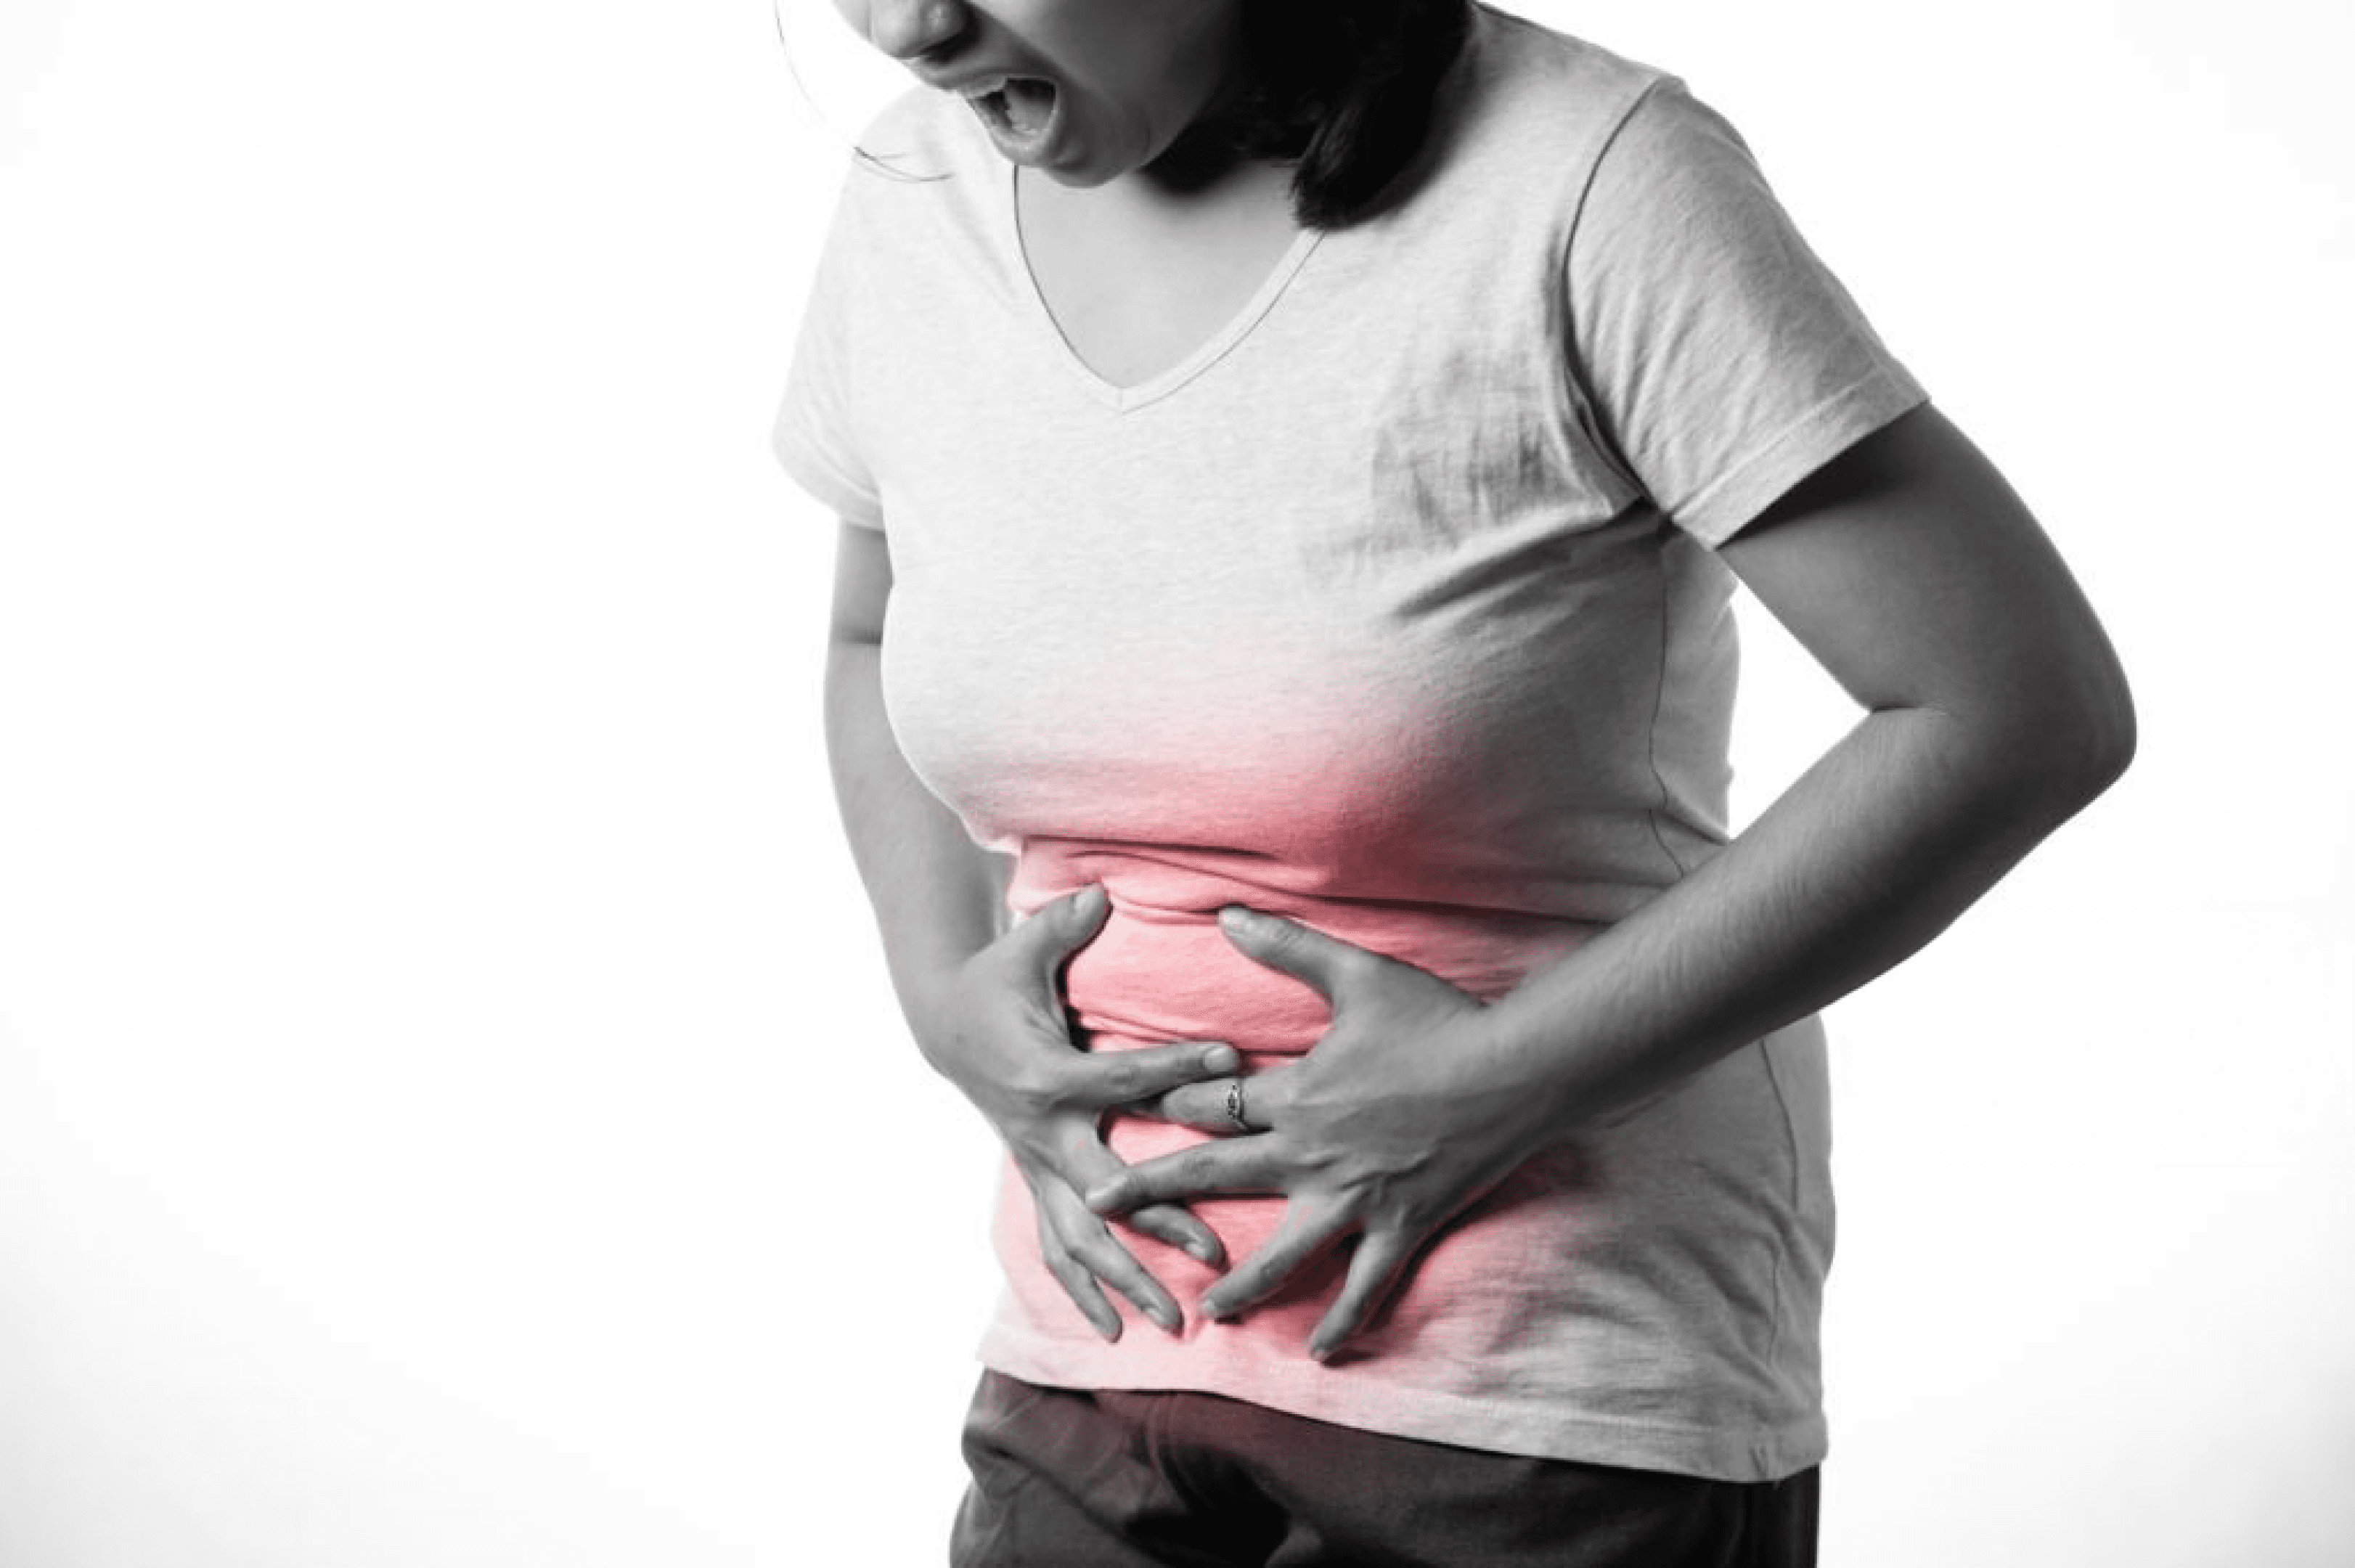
[1162, 383]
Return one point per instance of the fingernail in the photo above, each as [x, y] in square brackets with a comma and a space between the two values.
[1235, 917]
[1321, 1352]
[1212, 1309]
[1100, 1197]
[1085, 901]
[1168, 1318]
[1223, 1058]
[1203, 1252]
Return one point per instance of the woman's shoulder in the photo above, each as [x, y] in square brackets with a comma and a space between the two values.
[924, 189]
[1522, 121]
[1537, 84]
[920, 146]
[1532, 115]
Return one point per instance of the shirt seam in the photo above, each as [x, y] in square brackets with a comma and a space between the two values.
[1652, 817]
[1573, 370]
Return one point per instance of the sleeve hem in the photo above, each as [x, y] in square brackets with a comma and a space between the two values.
[1728, 504]
[847, 501]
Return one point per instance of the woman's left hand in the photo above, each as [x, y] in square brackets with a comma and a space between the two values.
[1387, 1128]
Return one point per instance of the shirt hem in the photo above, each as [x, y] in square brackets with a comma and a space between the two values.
[1343, 1397]
[1805, 444]
[823, 485]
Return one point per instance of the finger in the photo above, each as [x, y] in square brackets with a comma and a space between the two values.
[1102, 1079]
[1324, 963]
[1083, 1244]
[1110, 1262]
[1089, 1163]
[1234, 1165]
[1081, 1287]
[1089, 1240]
[1379, 1260]
[1210, 1107]
[1180, 1229]
[1258, 1276]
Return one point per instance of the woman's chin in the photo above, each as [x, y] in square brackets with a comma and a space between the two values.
[1077, 176]
[1078, 162]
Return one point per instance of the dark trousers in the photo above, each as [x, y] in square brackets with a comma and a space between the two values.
[1069, 1479]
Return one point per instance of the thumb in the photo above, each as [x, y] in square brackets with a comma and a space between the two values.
[1059, 929]
[1294, 949]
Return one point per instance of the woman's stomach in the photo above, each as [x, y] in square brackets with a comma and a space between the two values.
[1161, 970]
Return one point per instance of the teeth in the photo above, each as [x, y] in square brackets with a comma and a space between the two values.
[1022, 106]
[1029, 103]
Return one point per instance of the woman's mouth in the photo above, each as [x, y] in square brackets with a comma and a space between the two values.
[1021, 112]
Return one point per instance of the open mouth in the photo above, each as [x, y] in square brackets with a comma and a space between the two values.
[1021, 109]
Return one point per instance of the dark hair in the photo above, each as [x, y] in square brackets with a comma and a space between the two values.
[1341, 89]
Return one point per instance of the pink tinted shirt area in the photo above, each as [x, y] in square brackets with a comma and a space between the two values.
[1393, 610]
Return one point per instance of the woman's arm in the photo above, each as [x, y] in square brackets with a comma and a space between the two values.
[983, 1001]
[1996, 709]
[938, 896]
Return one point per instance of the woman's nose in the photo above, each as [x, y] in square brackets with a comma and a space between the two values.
[905, 29]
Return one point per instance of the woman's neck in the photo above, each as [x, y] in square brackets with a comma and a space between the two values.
[1236, 192]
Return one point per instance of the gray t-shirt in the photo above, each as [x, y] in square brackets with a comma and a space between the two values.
[1392, 609]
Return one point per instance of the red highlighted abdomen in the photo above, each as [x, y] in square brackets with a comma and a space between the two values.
[1162, 970]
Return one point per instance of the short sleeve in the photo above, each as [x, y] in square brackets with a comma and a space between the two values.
[816, 437]
[1724, 361]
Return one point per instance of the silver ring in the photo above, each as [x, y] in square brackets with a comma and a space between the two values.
[1235, 1104]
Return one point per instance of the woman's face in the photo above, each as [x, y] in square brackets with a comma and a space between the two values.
[1085, 91]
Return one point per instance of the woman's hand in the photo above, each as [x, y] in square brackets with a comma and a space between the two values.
[996, 1030]
[1386, 1129]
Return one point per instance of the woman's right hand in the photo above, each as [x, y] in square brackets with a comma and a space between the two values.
[996, 1030]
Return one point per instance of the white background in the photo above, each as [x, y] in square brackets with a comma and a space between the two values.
[450, 1109]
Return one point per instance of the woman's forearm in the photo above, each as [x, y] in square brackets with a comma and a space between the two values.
[1866, 857]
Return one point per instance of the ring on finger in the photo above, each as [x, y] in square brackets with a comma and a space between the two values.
[1235, 1104]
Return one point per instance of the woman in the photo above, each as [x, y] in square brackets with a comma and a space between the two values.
[1315, 445]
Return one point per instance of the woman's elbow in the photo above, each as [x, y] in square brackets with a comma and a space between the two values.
[2079, 742]
[2118, 735]
[2104, 749]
